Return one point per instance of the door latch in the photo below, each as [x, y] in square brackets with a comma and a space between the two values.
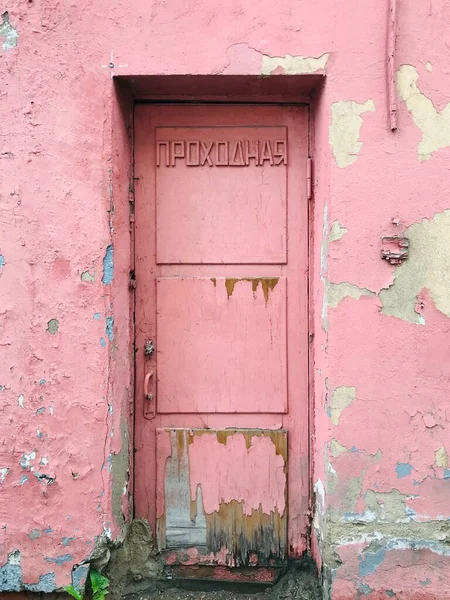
[149, 348]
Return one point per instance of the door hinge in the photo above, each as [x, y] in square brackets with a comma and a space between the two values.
[309, 177]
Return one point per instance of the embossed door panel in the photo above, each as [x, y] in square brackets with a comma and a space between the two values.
[221, 213]
[208, 328]
[241, 172]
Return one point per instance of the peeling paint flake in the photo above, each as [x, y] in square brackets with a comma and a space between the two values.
[434, 125]
[337, 232]
[8, 33]
[427, 268]
[226, 490]
[292, 65]
[342, 398]
[108, 266]
[441, 457]
[336, 292]
[53, 326]
[345, 128]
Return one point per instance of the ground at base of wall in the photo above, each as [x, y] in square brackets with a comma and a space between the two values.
[299, 583]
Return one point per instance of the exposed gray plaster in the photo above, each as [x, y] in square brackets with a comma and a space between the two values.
[8, 33]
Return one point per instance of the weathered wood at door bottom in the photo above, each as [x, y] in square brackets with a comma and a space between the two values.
[222, 497]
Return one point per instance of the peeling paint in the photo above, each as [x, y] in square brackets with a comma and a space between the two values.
[46, 583]
[336, 449]
[20, 400]
[441, 457]
[370, 562]
[336, 292]
[27, 460]
[292, 65]
[11, 573]
[345, 128]
[59, 560]
[8, 33]
[3, 473]
[426, 268]
[342, 398]
[87, 276]
[403, 470]
[337, 231]
[434, 125]
[120, 465]
[108, 266]
[268, 284]
[53, 326]
[2, 261]
[387, 506]
[109, 328]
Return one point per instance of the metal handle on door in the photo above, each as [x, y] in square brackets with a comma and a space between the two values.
[149, 403]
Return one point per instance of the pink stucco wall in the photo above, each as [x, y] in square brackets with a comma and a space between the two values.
[380, 371]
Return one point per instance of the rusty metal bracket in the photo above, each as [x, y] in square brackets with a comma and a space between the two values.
[394, 249]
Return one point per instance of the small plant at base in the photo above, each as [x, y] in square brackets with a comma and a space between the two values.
[99, 587]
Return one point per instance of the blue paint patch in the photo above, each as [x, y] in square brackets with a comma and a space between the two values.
[110, 328]
[46, 583]
[98, 316]
[67, 540]
[390, 593]
[403, 470]
[59, 560]
[47, 530]
[11, 575]
[426, 581]
[354, 449]
[108, 265]
[2, 261]
[410, 512]
[446, 473]
[79, 578]
[42, 382]
[370, 562]
[40, 411]
[103, 342]
[34, 534]
[23, 479]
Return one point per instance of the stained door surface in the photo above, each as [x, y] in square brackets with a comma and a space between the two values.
[221, 463]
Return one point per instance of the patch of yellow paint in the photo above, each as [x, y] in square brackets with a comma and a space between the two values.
[293, 65]
[441, 457]
[336, 292]
[434, 125]
[345, 128]
[342, 397]
[426, 267]
[337, 231]
[337, 449]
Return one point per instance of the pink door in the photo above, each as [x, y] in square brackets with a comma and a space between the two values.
[222, 331]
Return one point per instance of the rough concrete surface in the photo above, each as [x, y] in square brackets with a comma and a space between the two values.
[300, 582]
